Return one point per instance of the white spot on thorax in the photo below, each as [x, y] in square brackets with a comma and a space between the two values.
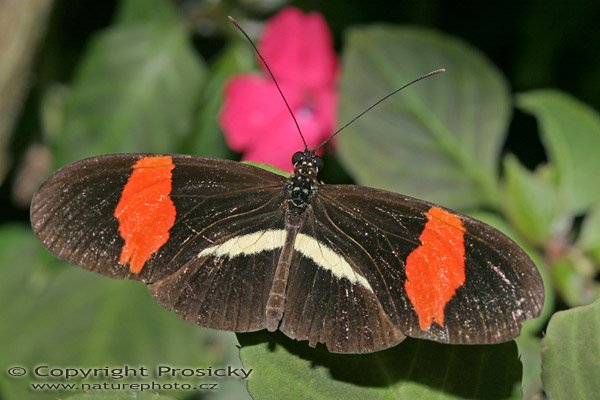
[319, 253]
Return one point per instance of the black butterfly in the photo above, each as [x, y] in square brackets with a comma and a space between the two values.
[231, 246]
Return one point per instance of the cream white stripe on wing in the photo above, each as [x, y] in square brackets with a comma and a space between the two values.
[326, 258]
[251, 243]
[272, 239]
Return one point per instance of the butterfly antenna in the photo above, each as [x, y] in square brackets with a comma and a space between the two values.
[427, 75]
[237, 25]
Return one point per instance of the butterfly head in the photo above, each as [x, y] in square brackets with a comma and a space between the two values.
[306, 167]
[306, 163]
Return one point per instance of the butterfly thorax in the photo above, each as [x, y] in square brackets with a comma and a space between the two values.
[304, 180]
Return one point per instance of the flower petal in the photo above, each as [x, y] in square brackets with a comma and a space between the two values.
[282, 144]
[250, 104]
[254, 118]
[281, 140]
[325, 105]
[298, 47]
[278, 153]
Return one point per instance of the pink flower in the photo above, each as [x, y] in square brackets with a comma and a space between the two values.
[298, 48]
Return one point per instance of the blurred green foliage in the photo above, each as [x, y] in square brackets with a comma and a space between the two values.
[497, 136]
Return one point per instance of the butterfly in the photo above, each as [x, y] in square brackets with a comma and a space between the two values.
[231, 246]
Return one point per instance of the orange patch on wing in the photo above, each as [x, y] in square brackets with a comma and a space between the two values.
[145, 211]
[436, 268]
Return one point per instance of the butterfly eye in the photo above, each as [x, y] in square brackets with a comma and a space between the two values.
[298, 157]
[318, 162]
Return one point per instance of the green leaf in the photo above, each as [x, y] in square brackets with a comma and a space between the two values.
[135, 90]
[530, 356]
[573, 277]
[269, 168]
[441, 138]
[570, 131]
[532, 204]
[60, 315]
[208, 139]
[571, 354]
[589, 238]
[134, 11]
[415, 369]
[53, 110]
[23, 26]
